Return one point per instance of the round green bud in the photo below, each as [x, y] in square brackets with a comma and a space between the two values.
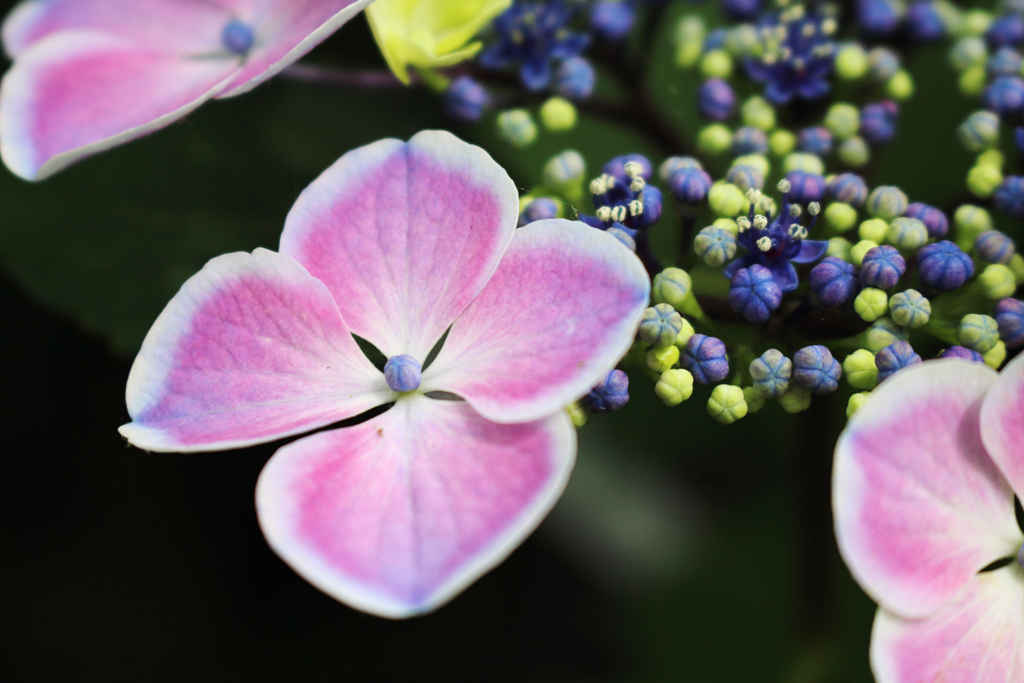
[972, 81]
[887, 202]
[714, 139]
[741, 40]
[567, 168]
[661, 358]
[688, 54]
[727, 403]
[975, 22]
[857, 401]
[660, 325]
[637, 354]
[978, 332]
[757, 113]
[991, 157]
[843, 120]
[840, 248]
[901, 85]
[558, 114]
[995, 356]
[979, 131]
[689, 37]
[859, 250]
[674, 386]
[970, 221]
[851, 62]
[671, 286]
[802, 161]
[884, 332]
[714, 246]
[998, 281]
[578, 414]
[874, 230]
[517, 127]
[754, 399]
[982, 181]
[796, 400]
[758, 161]
[685, 332]
[950, 15]
[840, 216]
[968, 52]
[725, 199]
[1016, 264]
[727, 224]
[781, 142]
[716, 64]
[871, 304]
[910, 308]
[907, 234]
[854, 152]
[860, 370]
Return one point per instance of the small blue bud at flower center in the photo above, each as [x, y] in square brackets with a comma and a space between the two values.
[402, 373]
[237, 37]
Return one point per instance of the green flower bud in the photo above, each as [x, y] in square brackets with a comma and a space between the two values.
[660, 325]
[714, 139]
[726, 199]
[840, 216]
[758, 161]
[874, 230]
[871, 304]
[674, 386]
[979, 131]
[565, 173]
[907, 234]
[671, 286]
[690, 35]
[972, 81]
[976, 22]
[558, 114]
[517, 127]
[1016, 264]
[884, 332]
[840, 248]
[901, 85]
[860, 370]
[970, 221]
[854, 152]
[982, 181]
[741, 40]
[757, 113]
[991, 157]
[578, 414]
[851, 62]
[978, 332]
[685, 332]
[843, 120]
[637, 354]
[727, 224]
[995, 356]
[754, 399]
[998, 280]
[887, 202]
[802, 161]
[968, 52]
[727, 403]
[858, 251]
[714, 246]
[795, 400]
[662, 358]
[781, 142]
[716, 64]
[910, 308]
[857, 401]
[951, 16]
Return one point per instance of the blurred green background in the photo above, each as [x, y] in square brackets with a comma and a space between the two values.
[683, 550]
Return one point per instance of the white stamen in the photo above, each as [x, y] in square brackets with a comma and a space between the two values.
[597, 186]
[604, 213]
[760, 222]
[636, 207]
[784, 186]
[633, 169]
[813, 208]
[795, 210]
[765, 243]
[619, 213]
[638, 184]
[743, 224]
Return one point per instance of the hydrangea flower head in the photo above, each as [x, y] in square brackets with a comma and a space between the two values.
[91, 74]
[396, 243]
[797, 56]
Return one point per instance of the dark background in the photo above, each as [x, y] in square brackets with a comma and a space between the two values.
[683, 550]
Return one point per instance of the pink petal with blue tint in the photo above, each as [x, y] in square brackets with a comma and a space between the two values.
[77, 93]
[404, 235]
[561, 310]
[1002, 423]
[397, 515]
[919, 506]
[250, 350]
[285, 31]
[978, 638]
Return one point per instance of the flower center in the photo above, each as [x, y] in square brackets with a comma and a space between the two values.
[237, 37]
[402, 373]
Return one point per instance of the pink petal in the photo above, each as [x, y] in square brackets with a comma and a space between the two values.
[250, 350]
[919, 507]
[1002, 423]
[976, 639]
[397, 515]
[404, 235]
[77, 93]
[561, 310]
[287, 31]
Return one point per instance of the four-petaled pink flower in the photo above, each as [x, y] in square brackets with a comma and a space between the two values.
[396, 243]
[923, 496]
[91, 74]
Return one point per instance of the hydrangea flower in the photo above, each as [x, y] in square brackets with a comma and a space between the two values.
[923, 499]
[91, 74]
[396, 243]
[797, 56]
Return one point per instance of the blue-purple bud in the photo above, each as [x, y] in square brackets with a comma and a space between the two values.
[895, 356]
[749, 140]
[705, 358]
[1004, 96]
[653, 203]
[617, 167]
[1005, 31]
[816, 370]
[994, 247]
[878, 122]
[669, 167]
[882, 267]
[1005, 62]
[611, 19]
[465, 100]
[805, 187]
[849, 188]
[537, 210]
[815, 140]
[754, 293]
[402, 373]
[1009, 197]
[715, 100]
[237, 37]
[745, 177]
[611, 394]
[715, 39]
[834, 281]
[1009, 314]
[962, 352]
[878, 17]
[771, 373]
[883, 63]
[741, 10]
[575, 79]
[934, 220]
[944, 266]
[690, 185]
[924, 22]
